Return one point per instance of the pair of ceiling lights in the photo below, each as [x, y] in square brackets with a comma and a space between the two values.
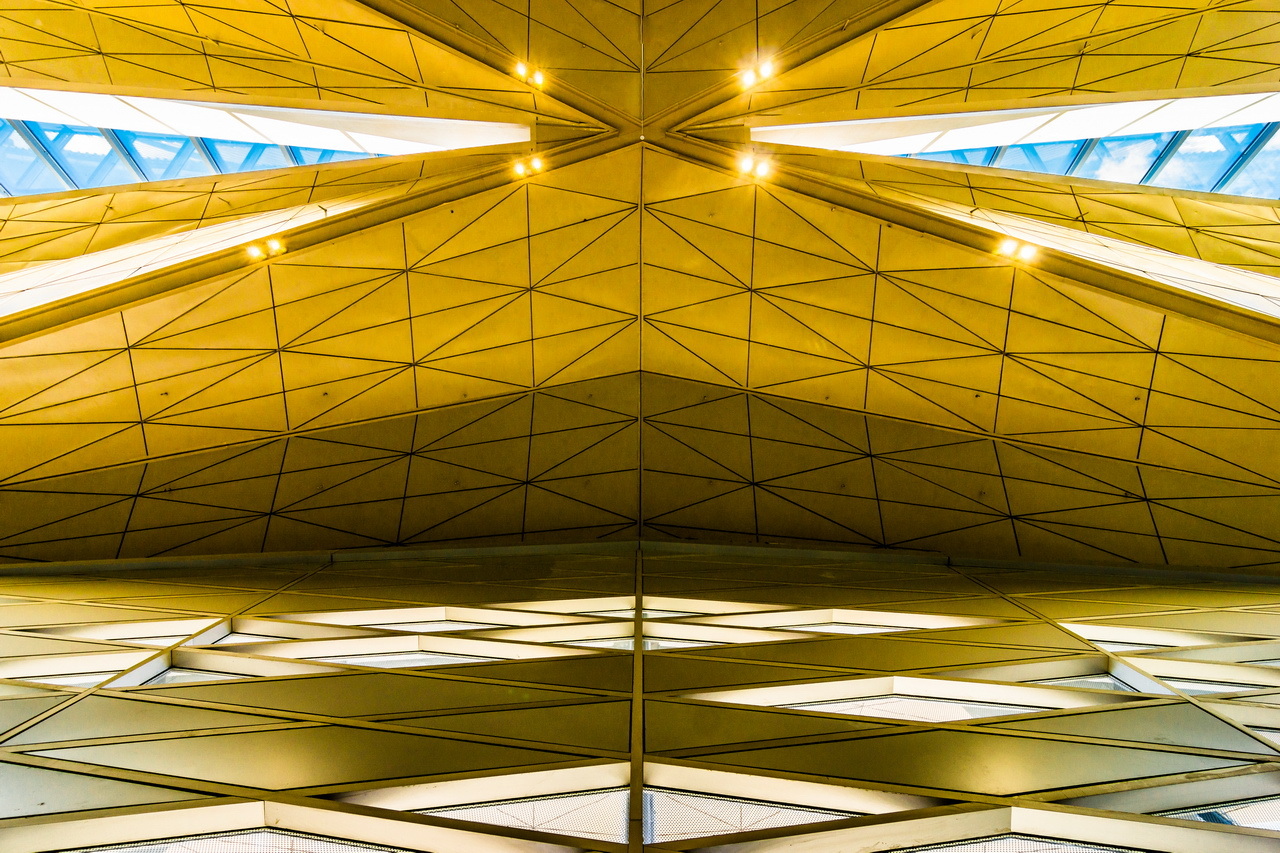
[1013, 249]
[752, 76]
[530, 75]
[754, 166]
[531, 166]
[269, 249]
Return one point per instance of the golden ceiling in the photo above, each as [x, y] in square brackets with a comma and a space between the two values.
[640, 340]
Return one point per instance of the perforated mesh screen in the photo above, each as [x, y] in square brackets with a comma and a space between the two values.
[599, 815]
[392, 660]
[1101, 681]
[847, 628]
[920, 708]
[434, 625]
[1017, 844]
[1198, 687]
[672, 815]
[668, 815]
[180, 675]
[244, 841]
[1261, 813]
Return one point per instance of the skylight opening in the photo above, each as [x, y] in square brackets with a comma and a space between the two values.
[1223, 144]
[1220, 159]
[57, 141]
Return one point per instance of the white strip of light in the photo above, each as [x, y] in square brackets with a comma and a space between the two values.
[55, 280]
[342, 131]
[955, 131]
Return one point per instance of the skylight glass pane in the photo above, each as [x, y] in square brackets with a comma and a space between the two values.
[243, 841]
[1016, 844]
[1260, 813]
[84, 154]
[1204, 156]
[965, 157]
[313, 156]
[600, 815]
[163, 157]
[1101, 681]
[22, 170]
[1125, 159]
[919, 708]
[248, 156]
[1051, 158]
[1260, 177]
[673, 815]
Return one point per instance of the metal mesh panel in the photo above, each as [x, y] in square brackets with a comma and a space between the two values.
[919, 708]
[672, 815]
[1260, 813]
[1198, 687]
[433, 625]
[647, 613]
[600, 815]
[393, 660]
[628, 643]
[181, 675]
[243, 841]
[846, 628]
[1101, 681]
[1016, 844]
[1117, 646]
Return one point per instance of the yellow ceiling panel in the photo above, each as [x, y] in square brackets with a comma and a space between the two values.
[825, 347]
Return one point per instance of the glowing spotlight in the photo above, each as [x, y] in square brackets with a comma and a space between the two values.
[536, 164]
[521, 169]
[1027, 253]
[765, 69]
[746, 164]
[762, 169]
[1008, 247]
[537, 79]
[274, 246]
[255, 252]
[749, 77]
[522, 70]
